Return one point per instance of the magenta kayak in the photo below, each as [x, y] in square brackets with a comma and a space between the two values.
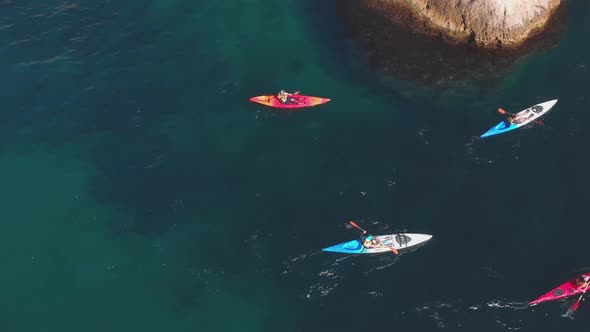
[567, 289]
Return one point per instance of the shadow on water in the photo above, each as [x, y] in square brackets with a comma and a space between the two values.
[393, 58]
[339, 53]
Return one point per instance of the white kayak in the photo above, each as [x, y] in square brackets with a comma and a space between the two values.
[522, 118]
[395, 241]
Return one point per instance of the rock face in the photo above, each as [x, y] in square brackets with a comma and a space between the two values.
[487, 23]
[442, 42]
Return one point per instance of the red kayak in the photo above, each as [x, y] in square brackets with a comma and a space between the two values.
[293, 101]
[568, 289]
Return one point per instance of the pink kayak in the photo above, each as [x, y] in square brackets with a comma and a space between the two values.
[294, 101]
[569, 288]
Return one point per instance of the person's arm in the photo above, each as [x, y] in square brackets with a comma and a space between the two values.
[362, 236]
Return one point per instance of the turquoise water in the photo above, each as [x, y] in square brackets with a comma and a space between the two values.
[143, 192]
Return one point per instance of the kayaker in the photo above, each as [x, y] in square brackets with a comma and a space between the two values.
[511, 117]
[514, 119]
[518, 118]
[286, 97]
[582, 282]
[369, 241]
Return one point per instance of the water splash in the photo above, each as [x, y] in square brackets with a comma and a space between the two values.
[456, 314]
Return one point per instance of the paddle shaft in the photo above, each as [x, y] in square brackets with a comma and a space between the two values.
[577, 304]
[357, 226]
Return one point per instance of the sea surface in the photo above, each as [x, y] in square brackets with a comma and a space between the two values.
[140, 190]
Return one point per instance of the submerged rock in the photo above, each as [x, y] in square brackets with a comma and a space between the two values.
[444, 41]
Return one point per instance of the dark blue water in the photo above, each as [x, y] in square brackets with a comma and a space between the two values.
[141, 191]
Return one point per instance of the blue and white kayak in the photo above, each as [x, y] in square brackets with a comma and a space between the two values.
[395, 241]
[522, 118]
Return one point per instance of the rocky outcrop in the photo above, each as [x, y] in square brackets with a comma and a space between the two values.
[440, 42]
[487, 23]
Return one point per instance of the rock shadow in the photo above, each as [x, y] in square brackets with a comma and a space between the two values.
[401, 47]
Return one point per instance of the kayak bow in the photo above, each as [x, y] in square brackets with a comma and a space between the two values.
[562, 291]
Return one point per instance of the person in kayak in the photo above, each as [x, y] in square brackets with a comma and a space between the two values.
[582, 282]
[520, 117]
[287, 98]
[369, 241]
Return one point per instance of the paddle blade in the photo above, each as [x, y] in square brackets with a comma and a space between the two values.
[502, 111]
[355, 225]
[570, 312]
[539, 122]
[575, 306]
[394, 251]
